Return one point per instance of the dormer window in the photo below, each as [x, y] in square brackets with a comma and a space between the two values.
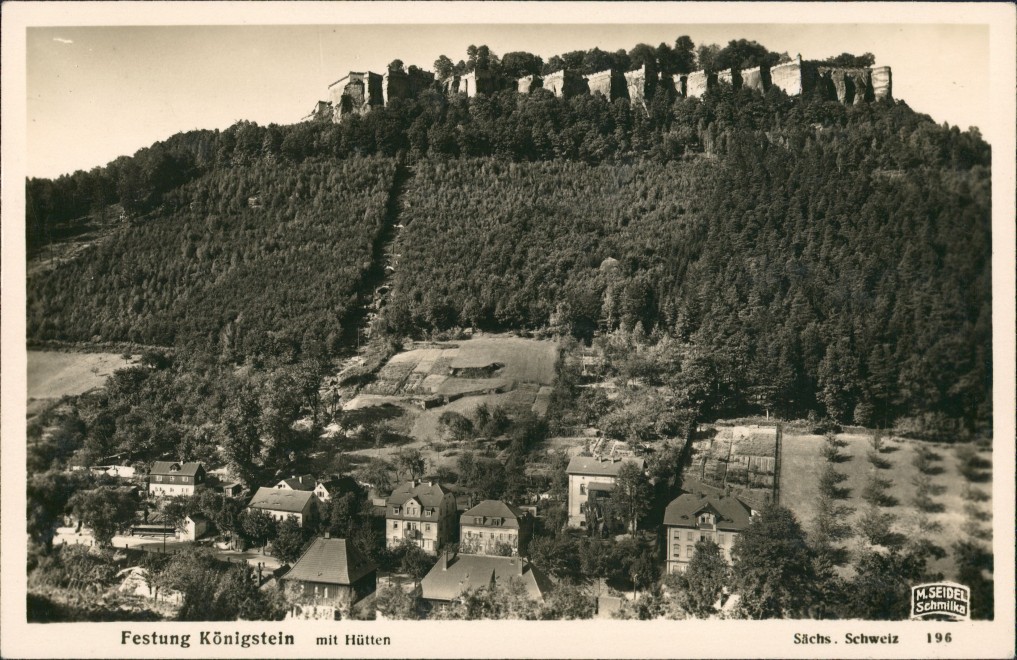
[395, 510]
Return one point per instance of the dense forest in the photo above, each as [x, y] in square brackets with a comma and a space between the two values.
[812, 257]
[264, 259]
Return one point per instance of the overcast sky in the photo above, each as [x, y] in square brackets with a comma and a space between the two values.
[95, 93]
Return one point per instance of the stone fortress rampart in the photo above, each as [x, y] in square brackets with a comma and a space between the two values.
[360, 92]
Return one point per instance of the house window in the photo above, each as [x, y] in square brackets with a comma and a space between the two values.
[427, 528]
[395, 524]
[582, 489]
[395, 510]
[689, 550]
[428, 513]
[691, 536]
[722, 539]
[676, 552]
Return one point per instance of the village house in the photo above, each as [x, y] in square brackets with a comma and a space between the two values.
[690, 518]
[591, 477]
[422, 513]
[455, 574]
[334, 486]
[494, 528]
[169, 478]
[303, 482]
[193, 528]
[331, 573]
[282, 503]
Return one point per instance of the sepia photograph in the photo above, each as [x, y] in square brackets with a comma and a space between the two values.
[598, 326]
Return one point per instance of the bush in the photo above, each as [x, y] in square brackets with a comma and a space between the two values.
[875, 491]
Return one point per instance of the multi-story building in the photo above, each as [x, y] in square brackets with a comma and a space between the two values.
[591, 476]
[691, 518]
[169, 478]
[494, 528]
[422, 513]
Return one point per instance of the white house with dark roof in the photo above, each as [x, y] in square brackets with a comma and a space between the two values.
[169, 478]
[592, 475]
[422, 513]
[492, 525]
[282, 503]
[331, 572]
[691, 518]
[335, 486]
[453, 575]
[302, 482]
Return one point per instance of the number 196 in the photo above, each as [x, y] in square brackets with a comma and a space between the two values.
[939, 638]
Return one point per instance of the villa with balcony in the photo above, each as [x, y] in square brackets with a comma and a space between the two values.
[422, 513]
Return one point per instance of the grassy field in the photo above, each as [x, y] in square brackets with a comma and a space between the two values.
[958, 518]
[53, 374]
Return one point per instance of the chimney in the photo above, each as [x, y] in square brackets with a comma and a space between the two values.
[328, 535]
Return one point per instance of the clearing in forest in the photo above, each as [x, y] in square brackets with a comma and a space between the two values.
[53, 374]
[418, 385]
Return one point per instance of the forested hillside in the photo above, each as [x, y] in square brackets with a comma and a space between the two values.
[508, 245]
[258, 259]
[807, 257]
[841, 270]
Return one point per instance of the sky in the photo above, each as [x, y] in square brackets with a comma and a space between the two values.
[96, 93]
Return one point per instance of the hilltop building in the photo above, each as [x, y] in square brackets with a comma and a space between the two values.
[422, 513]
[690, 518]
[361, 91]
[492, 525]
[169, 478]
[592, 477]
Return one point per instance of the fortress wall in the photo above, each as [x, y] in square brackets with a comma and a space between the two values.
[566, 84]
[600, 83]
[696, 84]
[404, 85]
[882, 83]
[732, 77]
[641, 83]
[753, 79]
[527, 84]
[788, 77]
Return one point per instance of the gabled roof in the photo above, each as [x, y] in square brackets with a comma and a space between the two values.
[732, 513]
[600, 467]
[303, 482]
[451, 577]
[493, 509]
[334, 484]
[334, 561]
[429, 494]
[175, 467]
[278, 499]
